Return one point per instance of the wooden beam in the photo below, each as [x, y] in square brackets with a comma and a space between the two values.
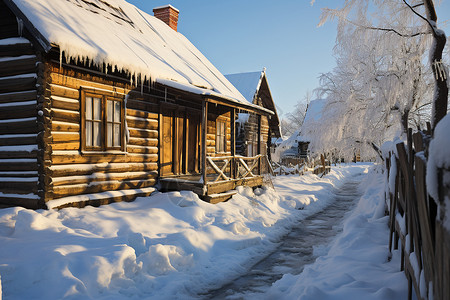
[233, 141]
[20, 96]
[23, 48]
[17, 83]
[186, 143]
[259, 144]
[88, 169]
[204, 132]
[237, 105]
[18, 65]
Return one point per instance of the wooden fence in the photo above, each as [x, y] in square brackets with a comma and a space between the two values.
[320, 167]
[424, 241]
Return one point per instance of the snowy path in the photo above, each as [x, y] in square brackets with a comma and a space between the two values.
[300, 247]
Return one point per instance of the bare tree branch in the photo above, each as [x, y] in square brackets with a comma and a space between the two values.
[385, 29]
[422, 17]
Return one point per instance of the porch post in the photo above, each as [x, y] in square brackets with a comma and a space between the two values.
[233, 142]
[259, 144]
[160, 139]
[204, 131]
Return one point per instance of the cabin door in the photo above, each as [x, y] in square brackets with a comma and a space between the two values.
[193, 147]
[180, 141]
[167, 143]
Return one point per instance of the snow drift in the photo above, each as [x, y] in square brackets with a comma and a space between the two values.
[167, 246]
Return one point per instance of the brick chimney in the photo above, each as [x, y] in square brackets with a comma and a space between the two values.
[168, 14]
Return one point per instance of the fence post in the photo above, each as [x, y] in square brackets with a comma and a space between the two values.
[322, 161]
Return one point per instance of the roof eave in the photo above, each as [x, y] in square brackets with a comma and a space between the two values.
[249, 107]
[42, 42]
[258, 86]
[214, 97]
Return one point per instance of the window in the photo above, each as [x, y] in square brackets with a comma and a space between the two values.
[221, 137]
[102, 122]
[252, 145]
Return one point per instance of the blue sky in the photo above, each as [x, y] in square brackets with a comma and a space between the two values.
[247, 35]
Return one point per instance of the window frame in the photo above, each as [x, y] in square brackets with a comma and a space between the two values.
[104, 97]
[222, 135]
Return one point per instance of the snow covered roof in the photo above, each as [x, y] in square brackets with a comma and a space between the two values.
[250, 85]
[247, 83]
[118, 33]
[313, 116]
[314, 111]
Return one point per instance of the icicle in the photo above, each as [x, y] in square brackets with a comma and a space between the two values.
[142, 86]
[127, 132]
[439, 70]
[60, 59]
[19, 26]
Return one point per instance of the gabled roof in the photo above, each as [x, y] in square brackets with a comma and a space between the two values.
[119, 34]
[313, 115]
[247, 83]
[254, 85]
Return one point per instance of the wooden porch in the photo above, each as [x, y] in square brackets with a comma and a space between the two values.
[222, 176]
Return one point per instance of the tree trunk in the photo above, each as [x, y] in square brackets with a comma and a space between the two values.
[405, 121]
[440, 99]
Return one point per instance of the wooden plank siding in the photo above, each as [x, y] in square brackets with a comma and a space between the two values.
[19, 114]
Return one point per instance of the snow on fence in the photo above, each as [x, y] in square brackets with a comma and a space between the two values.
[320, 167]
[417, 220]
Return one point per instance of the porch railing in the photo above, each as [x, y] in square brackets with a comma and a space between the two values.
[225, 168]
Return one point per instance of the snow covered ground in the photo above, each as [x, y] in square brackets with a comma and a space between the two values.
[357, 264]
[175, 246]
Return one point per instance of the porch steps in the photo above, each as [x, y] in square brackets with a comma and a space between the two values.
[220, 197]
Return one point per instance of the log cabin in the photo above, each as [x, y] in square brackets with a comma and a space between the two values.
[102, 102]
[255, 131]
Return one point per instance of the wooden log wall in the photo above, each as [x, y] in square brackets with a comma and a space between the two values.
[263, 148]
[215, 114]
[264, 135]
[20, 71]
[249, 132]
[72, 172]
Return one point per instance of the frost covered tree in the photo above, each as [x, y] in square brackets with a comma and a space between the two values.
[381, 84]
[293, 120]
